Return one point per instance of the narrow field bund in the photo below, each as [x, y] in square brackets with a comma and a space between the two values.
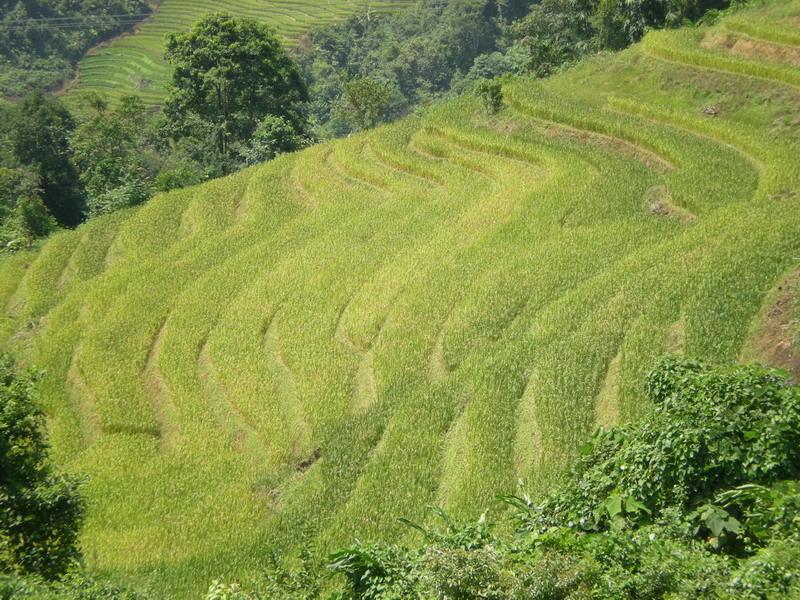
[298, 354]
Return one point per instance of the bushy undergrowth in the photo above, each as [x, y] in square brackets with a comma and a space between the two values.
[40, 509]
[75, 586]
[711, 430]
[696, 501]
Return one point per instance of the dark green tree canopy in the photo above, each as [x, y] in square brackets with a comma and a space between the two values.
[40, 138]
[229, 74]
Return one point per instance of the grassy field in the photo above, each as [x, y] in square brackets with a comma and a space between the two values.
[133, 64]
[299, 354]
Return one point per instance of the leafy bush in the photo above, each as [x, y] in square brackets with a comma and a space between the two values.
[23, 215]
[40, 510]
[711, 429]
[491, 94]
[364, 103]
[273, 136]
[114, 154]
[220, 590]
[124, 195]
[74, 586]
[636, 517]
[774, 572]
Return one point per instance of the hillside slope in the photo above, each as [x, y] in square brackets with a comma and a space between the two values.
[134, 64]
[302, 352]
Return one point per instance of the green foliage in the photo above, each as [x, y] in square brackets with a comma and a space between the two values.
[622, 23]
[40, 138]
[112, 151]
[711, 429]
[373, 571]
[556, 33]
[493, 65]
[555, 566]
[179, 170]
[41, 40]
[40, 511]
[491, 94]
[273, 136]
[426, 312]
[365, 102]
[229, 75]
[75, 585]
[372, 68]
[303, 582]
[220, 590]
[23, 215]
[774, 572]
[770, 512]
[134, 64]
[571, 547]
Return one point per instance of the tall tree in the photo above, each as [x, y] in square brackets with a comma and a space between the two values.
[41, 141]
[229, 74]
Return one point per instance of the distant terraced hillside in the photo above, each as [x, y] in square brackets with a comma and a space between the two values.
[134, 63]
[302, 352]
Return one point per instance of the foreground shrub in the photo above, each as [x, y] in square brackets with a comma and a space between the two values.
[699, 500]
[40, 510]
[711, 430]
[74, 586]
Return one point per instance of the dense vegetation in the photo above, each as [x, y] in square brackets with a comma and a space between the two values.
[42, 40]
[230, 75]
[399, 60]
[263, 368]
[698, 500]
[294, 356]
[221, 116]
[135, 64]
[40, 511]
[372, 69]
[237, 98]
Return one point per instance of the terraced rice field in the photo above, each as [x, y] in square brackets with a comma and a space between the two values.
[133, 64]
[299, 354]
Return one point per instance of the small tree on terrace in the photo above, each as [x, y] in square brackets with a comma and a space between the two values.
[364, 102]
[229, 74]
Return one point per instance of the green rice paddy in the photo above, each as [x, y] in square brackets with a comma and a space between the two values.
[427, 313]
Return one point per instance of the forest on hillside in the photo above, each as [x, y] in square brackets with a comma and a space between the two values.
[41, 40]
[102, 155]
